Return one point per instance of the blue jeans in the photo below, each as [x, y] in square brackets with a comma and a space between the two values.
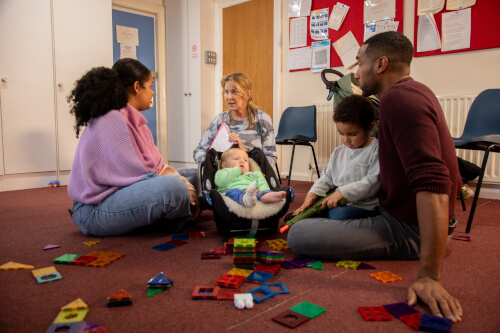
[152, 199]
[376, 237]
[191, 174]
[348, 212]
[237, 195]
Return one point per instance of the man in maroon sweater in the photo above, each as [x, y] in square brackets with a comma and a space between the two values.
[418, 164]
[419, 180]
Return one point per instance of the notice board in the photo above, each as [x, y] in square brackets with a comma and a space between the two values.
[353, 22]
[485, 31]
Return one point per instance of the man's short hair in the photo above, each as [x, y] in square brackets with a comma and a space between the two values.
[394, 45]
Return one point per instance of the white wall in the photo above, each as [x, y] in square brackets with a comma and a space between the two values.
[464, 72]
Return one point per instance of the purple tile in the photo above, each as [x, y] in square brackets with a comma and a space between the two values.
[400, 309]
[365, 266]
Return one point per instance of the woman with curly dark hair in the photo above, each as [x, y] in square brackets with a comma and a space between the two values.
[119, 181]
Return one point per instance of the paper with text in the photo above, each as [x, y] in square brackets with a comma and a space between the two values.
[298, 8]
[427, 34]
[321, 55]
[429, 6]
[378, 10]
[459, 4]
[347, 48]
[455, 28]
[221, 141]
[298, 32]
[299, 58]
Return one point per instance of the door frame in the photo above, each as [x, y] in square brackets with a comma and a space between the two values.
[219, 6]
[161, 63]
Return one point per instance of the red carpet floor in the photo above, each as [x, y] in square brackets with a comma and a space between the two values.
[32, 219]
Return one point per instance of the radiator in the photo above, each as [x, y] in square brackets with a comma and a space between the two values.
[455, 108]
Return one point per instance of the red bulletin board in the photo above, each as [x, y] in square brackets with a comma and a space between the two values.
[485, 31]
[352, 22]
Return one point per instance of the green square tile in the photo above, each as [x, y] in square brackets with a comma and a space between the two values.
[66, 258]
[308, 309]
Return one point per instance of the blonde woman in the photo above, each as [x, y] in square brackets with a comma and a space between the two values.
[250, 127]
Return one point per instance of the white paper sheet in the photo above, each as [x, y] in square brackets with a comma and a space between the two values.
[127, 35]
[297, 8]
[319, 24]
[221, 141]
[455, 29]
[427, 34]
[320, 55]
[299, 58]
[378, 10]
[347, 48]
[298, 32]
[128, 51]
[339, 12]
[379, 27]
[429, 6]
[459, 4]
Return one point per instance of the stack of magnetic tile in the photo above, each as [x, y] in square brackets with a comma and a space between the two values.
[159, 283]
[278, 244]
[244, 253]
[120, 298]
[229, 245]
[270, 257]
[70, 316]
[47, 274]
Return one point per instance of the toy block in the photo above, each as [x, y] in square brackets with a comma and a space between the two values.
[51, 247]
[15, 266]
[242, 301]
[164, 247]
[244, 243]
[210, 255]
[119, 296]
[260, 277]
[154, 291]
[90, 243]
[82, 260]
[70, 316]
[227, 294]
[374, 313]
[203, 292]
[73, 327]
[239, 271]
[125, 302]
[462, 238]
[290, 319]
[273, 268]
[278, 244]
[104, 258]
[183, 237]
[316, 265]
[350, 264]
[267, 292]
[177, 242]
[386, 277]
[54, 183]
[66, 258]
[400, 309]
[160, 281]
[230, 281]
[434, 324]
[365, 266]
[47, 274]
[412, 320]
[197, 235]
[77, 304]
[308, 309]
[296, 263]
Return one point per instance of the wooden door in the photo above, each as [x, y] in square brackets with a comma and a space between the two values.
[248, 48]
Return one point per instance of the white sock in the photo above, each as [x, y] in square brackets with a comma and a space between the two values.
[250, 196]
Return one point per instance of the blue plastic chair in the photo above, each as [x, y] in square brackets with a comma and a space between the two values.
[481, 132]
[297, 128]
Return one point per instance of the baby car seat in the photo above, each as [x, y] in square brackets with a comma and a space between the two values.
[231, 218]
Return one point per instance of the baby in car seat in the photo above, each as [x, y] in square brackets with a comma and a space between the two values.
[246, 187]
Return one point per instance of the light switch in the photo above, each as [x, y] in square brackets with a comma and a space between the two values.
[210, 57]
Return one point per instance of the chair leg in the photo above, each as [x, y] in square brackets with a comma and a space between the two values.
[315, 162]
[278, 170]
[291, 163]
[478, 189]
[462, 199]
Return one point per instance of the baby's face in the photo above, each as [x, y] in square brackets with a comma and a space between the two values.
[238, 158]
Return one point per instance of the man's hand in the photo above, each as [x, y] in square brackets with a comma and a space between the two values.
[433, 294]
